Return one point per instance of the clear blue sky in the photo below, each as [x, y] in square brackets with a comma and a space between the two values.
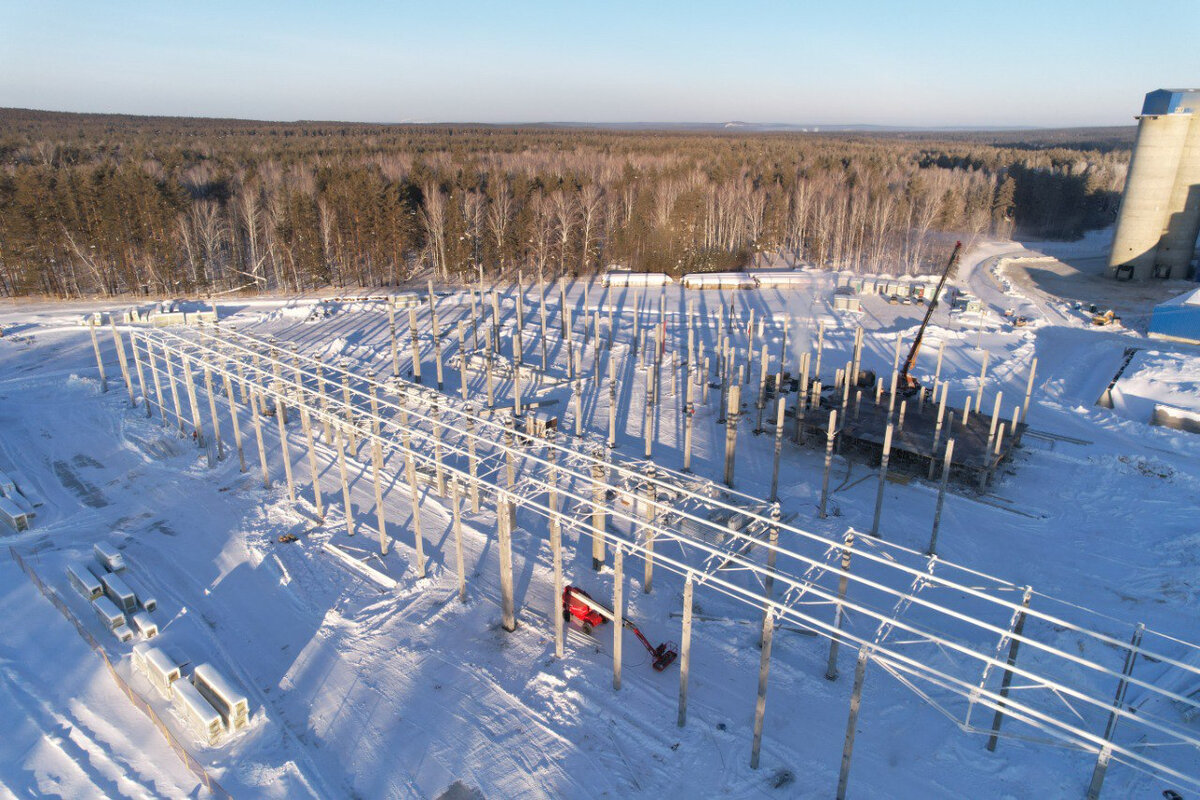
[1006, 62]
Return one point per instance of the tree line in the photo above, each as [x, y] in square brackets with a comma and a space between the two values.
[95, 204]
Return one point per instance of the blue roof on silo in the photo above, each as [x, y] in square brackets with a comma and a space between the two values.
[1172, 101]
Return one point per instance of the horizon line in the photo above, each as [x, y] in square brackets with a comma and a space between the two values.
[731, 125]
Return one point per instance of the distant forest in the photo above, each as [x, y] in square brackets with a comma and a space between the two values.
[109, 205]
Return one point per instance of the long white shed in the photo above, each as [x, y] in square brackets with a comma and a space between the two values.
[16, 517]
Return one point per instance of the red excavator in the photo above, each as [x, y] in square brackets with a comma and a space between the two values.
[907, 385]
[579, 604]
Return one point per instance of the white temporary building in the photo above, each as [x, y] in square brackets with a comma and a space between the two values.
[623, 277]
[11, 513]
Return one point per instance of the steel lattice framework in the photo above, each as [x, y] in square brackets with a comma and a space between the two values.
[949, 633]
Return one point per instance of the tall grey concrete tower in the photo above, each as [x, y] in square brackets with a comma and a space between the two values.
[1160, 212]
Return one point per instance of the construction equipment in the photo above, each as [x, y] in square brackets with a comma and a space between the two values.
[591, 615]
[1107, 318]
[907, 385]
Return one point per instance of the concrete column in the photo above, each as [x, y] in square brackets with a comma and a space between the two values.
[820, 349]
[883, 467]
[438, 471]
[651, 501]
[377, 479]
[982, 378]
[158, 394]
[99, 361]
[462, 359]
[1110, 728]
[542, 317]
[577, 397]
[212, 413]
[415, 498]
[829, 437]
[995, 419]
[322, 399]
[780, 410]
[472, 460]
[233, 416]
[618, 613]
[685, 650]
[121, 360]
[764, 668]
[283, 447]
[612, 411]
[937, 373]
[456, 514]
[190, 385]
[137, 363]
[416, 348]
[516, 368]
[831, 670]
[495, 321]
[391, 311]
[474, 321]
[1014, 646]
[256, 402]
[937, 430]
[339, 442]
[556, 552]
[860, 671]
[491, 383]
[313, 468]
[761, 404]
[732, 416]
[947, 460]
[599, 523]
[504, 529]
[648, 419]
[1028, 391]
[437, 338]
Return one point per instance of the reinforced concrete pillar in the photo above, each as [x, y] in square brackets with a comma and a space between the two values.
[732, 416]
[831, 669]
[883, 467]
[504, 517]
[99, 361]
[830, 435]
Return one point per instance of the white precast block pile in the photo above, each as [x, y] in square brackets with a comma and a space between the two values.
[621, 277]
[145, 599]
[110, 616]
[16, 517]
[84, 582]
[121, 595]
[719, 280]
[109, 557]
[159, 668]
[201, 717]
[147, 627]
[229, 701]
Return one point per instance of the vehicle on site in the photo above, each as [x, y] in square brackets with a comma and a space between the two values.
[591, 615]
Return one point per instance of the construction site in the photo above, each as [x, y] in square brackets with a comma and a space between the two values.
[710, 522]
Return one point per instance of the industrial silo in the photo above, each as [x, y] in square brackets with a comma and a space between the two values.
[1160, 211]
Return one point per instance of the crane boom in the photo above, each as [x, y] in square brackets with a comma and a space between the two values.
[907, 383]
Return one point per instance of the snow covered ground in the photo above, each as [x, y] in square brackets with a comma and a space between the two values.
[361, 692]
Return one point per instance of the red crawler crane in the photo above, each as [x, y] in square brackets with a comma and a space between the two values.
[907, 385]
[591, 615]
